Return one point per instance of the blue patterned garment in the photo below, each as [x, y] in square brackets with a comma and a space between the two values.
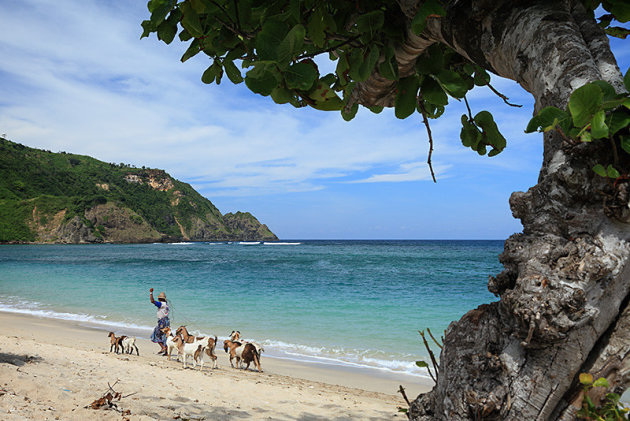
[158, 336]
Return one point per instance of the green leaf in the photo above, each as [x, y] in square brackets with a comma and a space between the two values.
[432, 61]
[389, 67]
[272, 34]
[454, 84]
[432, 110]
[470, 134]
[260, 80]
[406, 98]
[370, 23]
[621, 10]
[190, 20]
[166, 32]
[422, 364]
[625, 144]
[198, 5]
[432, 91]
[599, 170]
[626, 80]
[607, 89]
[547, 119]
[342, 67]
[599, 128]
[612, 173]
[482, 77]
[232, 72]
[349, 114]
[366, 68]
[159, 10]
[209, 74]
[494, 152]
[586, 136]
[281, 95]
[192, 50]
[584, 102]
[301, 76]
[184, 35]
[602, 382]
[485, 121]
[428, 9]
[292, 44]
[355, 62]
[316, 28]
[147, 28]
[332, 104]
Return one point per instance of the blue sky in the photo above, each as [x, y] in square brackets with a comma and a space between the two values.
[75, 77]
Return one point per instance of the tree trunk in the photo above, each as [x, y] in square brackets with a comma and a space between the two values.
[565, 291]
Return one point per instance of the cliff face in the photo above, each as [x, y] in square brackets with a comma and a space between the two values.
[50, 197]
[246, 226]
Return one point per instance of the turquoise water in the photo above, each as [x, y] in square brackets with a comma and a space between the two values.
[355, 303]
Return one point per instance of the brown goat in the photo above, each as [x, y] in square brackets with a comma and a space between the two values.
[245, 353]
[209, 342]
[115, 342]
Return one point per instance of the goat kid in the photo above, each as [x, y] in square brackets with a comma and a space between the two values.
[243, 353]
[128, 343]
[209, 342]
[115, 342]
[194, 350]
[170, 343]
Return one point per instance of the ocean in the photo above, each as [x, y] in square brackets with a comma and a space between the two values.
[346, 303]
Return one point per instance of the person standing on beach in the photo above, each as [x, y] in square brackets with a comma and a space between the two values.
[162, 314]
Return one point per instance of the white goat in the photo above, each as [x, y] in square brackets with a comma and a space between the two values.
[194, 350]
[170, 343]
[128, 344]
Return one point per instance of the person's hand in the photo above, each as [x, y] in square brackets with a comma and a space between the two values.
[151, 290]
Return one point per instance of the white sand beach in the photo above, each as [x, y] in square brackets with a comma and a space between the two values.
[52, 369]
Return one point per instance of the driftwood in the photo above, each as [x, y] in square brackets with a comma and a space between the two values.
[106, 401]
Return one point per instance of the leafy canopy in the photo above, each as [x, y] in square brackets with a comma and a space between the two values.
[271, 45]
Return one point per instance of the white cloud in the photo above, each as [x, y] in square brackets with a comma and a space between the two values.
[416, 171]
[77, 78]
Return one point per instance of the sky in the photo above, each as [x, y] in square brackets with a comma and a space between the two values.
[76, 77]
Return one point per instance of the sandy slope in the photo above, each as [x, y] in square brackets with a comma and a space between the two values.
[52, 369]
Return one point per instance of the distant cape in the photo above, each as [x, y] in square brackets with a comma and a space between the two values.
[62, 198]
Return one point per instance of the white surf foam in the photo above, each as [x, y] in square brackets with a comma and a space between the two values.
[335, 356]
[267, 243]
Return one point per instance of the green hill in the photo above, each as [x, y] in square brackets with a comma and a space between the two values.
[50, 197]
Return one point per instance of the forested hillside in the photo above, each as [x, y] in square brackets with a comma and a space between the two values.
[65, 198]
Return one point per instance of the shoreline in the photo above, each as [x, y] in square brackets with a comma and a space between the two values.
[274, 351]
[71, 348]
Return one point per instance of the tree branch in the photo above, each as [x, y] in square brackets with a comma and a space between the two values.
[503, 97]
[426, 124]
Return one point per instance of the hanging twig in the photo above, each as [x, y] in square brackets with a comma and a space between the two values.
[426, 124]
[468, 108]
[503, 97]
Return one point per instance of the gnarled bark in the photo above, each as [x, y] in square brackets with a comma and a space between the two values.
[566, 284]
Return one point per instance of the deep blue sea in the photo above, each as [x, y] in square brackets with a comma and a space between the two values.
[353, 303]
